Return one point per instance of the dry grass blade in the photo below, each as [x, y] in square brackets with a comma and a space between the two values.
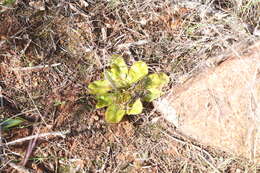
[35, 67]
[1, 98]
[1, 147]
[19, 168]
[29, 150]
[42, 135]
[106, 161]
[190, 144]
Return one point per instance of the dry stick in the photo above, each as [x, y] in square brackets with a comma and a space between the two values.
[39, 113]
[77, 10]
[210, 164]
[62, 134]
[26, 46]
[19, 168]
[1, 146]
[2, 42]
[35, 67]
[137, 43]
[30, 146]
[1, 98]
[29, 150]
[105, 163]
[186, 143]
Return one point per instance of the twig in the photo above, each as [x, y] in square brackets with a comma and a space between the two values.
[186, 143]
[31, 145]
[35, 67]
[29, 149]
[26, 46]
[72, 7]
[138, 43]
[62, 134]
[210, 164]
[2, 42]
[105, 163]
[1, 98]
[1, 148]
[33, 102]
[19, 168]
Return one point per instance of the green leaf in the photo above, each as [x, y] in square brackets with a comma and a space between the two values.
[156, 80]
[137, 71]
[99, 87]
[114, 114]
[152, 94]
[136, 108]
[12, 122]
[105, 100]
[118, 72]
[123, 97]
[119, 65]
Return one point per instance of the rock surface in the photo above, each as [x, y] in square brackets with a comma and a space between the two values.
[220, 107]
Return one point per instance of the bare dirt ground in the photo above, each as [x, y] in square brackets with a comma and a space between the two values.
[51, 50]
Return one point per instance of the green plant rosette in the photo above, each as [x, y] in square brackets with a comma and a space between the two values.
[120, 86]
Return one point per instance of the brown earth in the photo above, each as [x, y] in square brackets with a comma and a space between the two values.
[75, 40]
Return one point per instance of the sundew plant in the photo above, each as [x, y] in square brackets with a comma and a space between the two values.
[122, 90]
